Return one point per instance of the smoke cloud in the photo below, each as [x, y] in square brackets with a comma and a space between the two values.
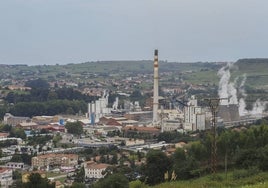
[227, 90]
[230, 91]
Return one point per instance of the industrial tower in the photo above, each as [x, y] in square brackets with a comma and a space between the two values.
[155, 95]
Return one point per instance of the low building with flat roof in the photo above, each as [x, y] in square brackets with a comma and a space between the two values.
[52, 159]
[15, 120]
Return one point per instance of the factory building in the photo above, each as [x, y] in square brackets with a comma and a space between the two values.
[229, 113]
[170, 125]
[15, 120]
[98, 108]
[194, 117]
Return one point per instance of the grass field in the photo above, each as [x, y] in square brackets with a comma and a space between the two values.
[257, 180]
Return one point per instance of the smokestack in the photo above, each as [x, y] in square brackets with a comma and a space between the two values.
[155, 97]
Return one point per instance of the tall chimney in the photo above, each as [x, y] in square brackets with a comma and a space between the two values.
[155, 97]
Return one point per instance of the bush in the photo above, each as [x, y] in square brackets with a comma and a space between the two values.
[137, 184]
[216, 177]
[239, 174]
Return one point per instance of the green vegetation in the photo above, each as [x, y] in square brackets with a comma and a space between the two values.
[35, 180]
[174, 137]
[220, 180]
[203, 75]
[53, 107]
[37, 139]
[74, 128]
[157, 164]
[196, 73]
[242, 152]
[17, 132]
[38, 83]
[78, 185]
[22, 158]
[41, 101]
[113, 181]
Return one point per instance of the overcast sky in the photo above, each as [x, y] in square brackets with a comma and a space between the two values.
[74, 31]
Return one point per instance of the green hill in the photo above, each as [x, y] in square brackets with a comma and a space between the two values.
[237, 179]
[255, 181]
[195, 73]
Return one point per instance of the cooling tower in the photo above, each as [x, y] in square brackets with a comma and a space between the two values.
[229, 112]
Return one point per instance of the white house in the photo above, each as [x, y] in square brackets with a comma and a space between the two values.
[94, 170]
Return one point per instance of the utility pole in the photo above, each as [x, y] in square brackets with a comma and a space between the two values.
[214, 106]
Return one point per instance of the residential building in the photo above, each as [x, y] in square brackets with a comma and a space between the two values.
[4, 135]
[134, 142]
[27, 125]
[15, 165]
[44, 161]
[94, 170]
[5, 177]
[140, 129]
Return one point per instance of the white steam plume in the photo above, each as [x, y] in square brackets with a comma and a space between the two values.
[230, 90]
[227, 89]
[258, 107]
[224, 75]
[242, 103]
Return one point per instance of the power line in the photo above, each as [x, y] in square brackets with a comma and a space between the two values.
[214, 106]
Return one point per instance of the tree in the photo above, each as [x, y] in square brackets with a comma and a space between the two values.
[80, 175]
[5, 128]
[35, 180]
[157, 164]
[25, 158]
[113, 181]
[137, 184]
[38, 83]
[263, 153]
[17, 132]
[114, 158]
[198, 151]
[181, 164]
[56, 139]
[102, 159]
[69, 110]
[52, 95]
[136, 96]
[78, 185]
[74, 128]
[16, 174]
[10, 98]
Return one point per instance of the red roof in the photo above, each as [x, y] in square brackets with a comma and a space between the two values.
[137, 128]
[2, 170]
